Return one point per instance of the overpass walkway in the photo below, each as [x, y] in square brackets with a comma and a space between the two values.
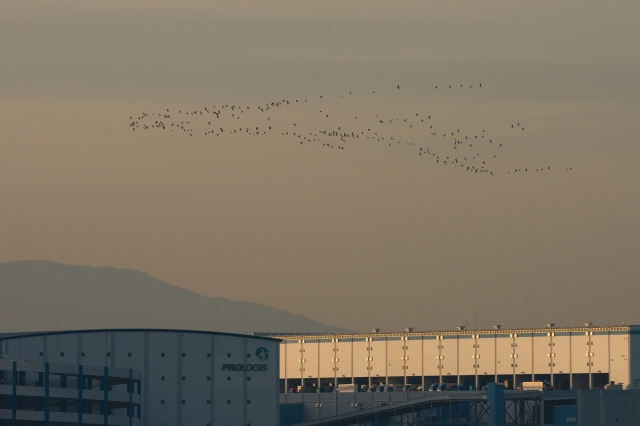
[468, 408]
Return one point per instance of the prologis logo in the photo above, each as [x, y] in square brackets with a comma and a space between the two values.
[262, 354]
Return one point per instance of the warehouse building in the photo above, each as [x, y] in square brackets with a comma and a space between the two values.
[57, 394]
[180, 377]
[585, 357]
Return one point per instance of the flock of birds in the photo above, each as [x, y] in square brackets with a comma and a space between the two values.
[472, 152]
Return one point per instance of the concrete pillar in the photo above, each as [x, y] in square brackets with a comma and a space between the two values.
[541, 412]
[495, 399]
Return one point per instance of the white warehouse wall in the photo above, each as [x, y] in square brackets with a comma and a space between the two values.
[575, 357]
[184, 378]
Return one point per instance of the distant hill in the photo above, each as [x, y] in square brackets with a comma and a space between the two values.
[43, 296]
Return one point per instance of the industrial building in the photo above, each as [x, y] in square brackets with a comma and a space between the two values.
[585, 357]
[139, 377]
[44, 393]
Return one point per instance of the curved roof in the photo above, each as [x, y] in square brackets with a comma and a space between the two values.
[7, 336]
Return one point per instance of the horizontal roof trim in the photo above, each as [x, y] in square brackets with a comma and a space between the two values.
[8, 336]
[502, 331]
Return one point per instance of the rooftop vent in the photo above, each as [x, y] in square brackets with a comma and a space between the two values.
[375, 330]
[551, 325]
[588, 324]
[497, 327]
[460, 327]
[408, 329]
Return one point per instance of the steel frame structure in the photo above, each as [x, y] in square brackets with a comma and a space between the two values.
[521, 411]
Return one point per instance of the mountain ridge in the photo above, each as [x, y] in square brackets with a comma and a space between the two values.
[86, 297]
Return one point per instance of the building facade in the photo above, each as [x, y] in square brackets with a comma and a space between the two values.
[187, 378]
[569, 358]
[34, 393]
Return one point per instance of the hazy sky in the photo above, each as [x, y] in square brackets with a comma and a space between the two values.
[361, 238]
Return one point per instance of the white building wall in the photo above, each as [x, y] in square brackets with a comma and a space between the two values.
[449, 351]
[523, 348]
[504, 353]
[562, 350]
[395, 355]
[600, 351]
[164, 358]
[500, 353]
[414, 355]
[327, 355]
[467, 353]
[378, 357]
[487, 354]
[294, 356]
[430, 357]
[541, 351]
[345, 359]
[620, 357]
[310, 353]
[579, 351]
[94, 346]
[360, 357]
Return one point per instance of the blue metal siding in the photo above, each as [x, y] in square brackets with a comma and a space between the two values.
[566, 415]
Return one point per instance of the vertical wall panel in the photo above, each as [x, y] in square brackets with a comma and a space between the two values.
[524, 350]
[579, 359]
[449, 353]
[310, 351]
[562, 351]
[343, 353]
[378, 355]
[619, 356]
[487, 352]
[326, 355]
[467, 358]
[541, 351]
[504, 351]
[430, 355]
[395, 356]
[294, 355]
[414, 355]
[360, 355]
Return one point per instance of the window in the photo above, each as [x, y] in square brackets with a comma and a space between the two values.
[228, 378]
[209, 378]
[209, 355]
[184, 401]
[183, 355]
[81, 353]
[161, 377]
[248, 401]
[228, 401]
[162, 401]
[61, 353]
[129, 354]
[108, 353]
[228, 355]
[41, 353]
[162, 355]
[248, 378]
[248, 355]
[184, 378]
[208, 401]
